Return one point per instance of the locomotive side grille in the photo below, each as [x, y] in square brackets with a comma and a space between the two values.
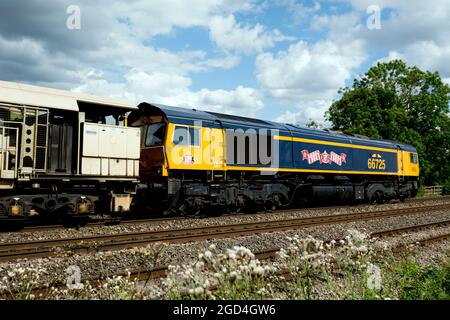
[40, 158]
[41, 136]
[42, 118]
[34, 140]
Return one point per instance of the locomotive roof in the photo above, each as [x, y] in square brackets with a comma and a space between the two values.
[24, 94]
[174, 113]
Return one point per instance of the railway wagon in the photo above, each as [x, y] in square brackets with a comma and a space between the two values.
[64, 154]
[192, 159]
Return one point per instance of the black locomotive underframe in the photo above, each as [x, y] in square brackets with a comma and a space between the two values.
[191, 191]
[50, 195]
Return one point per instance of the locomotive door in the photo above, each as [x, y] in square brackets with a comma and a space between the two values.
[217, 145]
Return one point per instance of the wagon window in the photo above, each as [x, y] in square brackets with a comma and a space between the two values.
[413, 157]
[11, 114]
[186, 136]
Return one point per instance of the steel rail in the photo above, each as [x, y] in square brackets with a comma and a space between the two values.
[161, 271]
[43, 248]
[158, 219]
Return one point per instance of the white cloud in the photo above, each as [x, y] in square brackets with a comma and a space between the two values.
[240, 101]
[307, 74]
[426, 55]
[38, 44]
[112, 54]
[152, 17]
[299, 11]
[120, 59]
[228, 62]
[411, 22]
[232, 36]
[341, 28]
[305, 114]
[173, 89]
[414, 30]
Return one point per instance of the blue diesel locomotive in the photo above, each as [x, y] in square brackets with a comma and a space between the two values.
[192, 159]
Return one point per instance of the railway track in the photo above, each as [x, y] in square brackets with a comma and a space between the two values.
[158, 219]
[44, 248]
[268, 254]
[418, 227]
[98, 223]
[161, 271]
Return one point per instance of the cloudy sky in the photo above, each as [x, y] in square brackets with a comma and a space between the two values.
[280, 60]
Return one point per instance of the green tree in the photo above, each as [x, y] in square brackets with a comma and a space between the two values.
[396, 102]
[314, 125]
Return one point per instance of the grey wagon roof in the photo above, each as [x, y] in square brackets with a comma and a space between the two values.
[24, 94]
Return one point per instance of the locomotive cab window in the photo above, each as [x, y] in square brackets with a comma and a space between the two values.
[413, 157]
[155, 134]
[185, 136]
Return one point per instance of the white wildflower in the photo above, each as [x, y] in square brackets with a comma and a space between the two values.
[199, 291]
[357, 235]
[259, 270]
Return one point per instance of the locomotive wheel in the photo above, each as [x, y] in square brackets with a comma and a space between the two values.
[272, 203]
[191, 207]
[379, 198]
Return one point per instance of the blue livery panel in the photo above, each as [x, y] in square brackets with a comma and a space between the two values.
[328, 157]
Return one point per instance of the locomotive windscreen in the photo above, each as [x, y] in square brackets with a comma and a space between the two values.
[155, 134]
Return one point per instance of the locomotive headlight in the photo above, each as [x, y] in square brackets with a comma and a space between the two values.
[82, 205]
[15, 209]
